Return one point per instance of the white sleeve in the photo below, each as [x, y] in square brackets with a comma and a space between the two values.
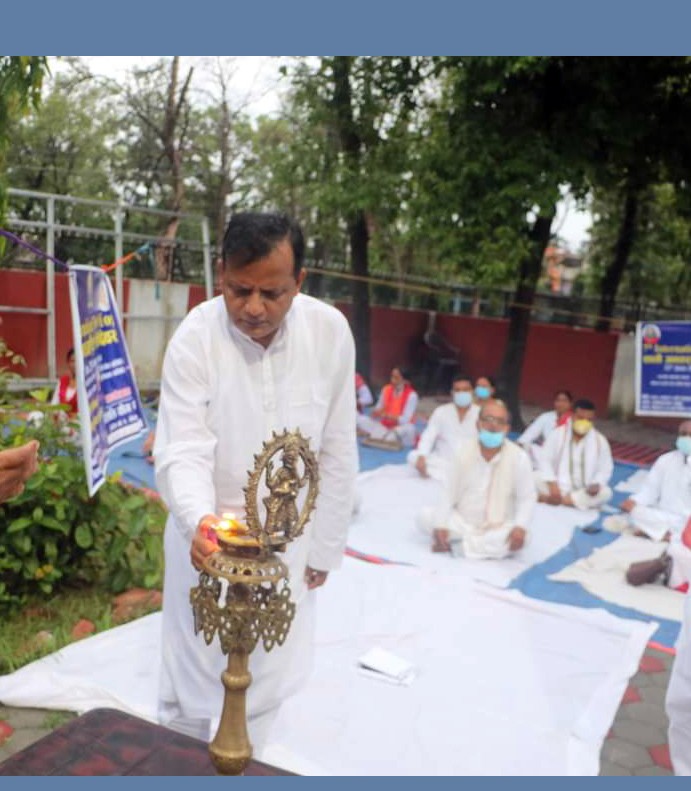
[409, 411]
[364, 396]
[605, 463]
[55, 399]
[547, 458]
[429, 435]
[651, 490]
[185, 446]
[338, 463]
[535, 430]
[447, 500]
[526, 493]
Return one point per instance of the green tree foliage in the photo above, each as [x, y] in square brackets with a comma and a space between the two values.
[21, 77]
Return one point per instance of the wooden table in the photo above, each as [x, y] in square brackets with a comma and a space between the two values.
[109, 742]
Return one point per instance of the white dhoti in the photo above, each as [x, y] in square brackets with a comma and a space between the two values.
[404, 433]
[678, 703]
[476, 544]
[580, 497]
[191, 692]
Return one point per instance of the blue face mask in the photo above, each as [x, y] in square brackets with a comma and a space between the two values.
[684, 445]
[482, 392]
[463, 399]
[490, 439]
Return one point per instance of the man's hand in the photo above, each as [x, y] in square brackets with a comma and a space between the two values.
[421, 466]
[554, 496]
[516, 539]
[314, 578]
[204, 542]
[440, 540]
[17, 465]
[628, 505]
[593, 489]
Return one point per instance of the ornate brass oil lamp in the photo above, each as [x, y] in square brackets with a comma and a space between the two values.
[243, 594]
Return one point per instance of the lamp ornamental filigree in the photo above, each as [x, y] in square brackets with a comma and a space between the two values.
[243, 595]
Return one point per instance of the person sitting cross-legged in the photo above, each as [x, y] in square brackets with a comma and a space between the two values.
[447, 426]
[490, 494]
[576, 463]
[393, 418]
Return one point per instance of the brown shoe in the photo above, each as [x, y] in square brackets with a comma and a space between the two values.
[648, 571]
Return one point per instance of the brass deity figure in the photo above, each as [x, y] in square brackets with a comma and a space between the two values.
[243, 594]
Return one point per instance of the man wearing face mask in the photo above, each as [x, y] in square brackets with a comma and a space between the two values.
[490, 494]
[576, 463]
[484, 390]
[662, 507]
[447, 426]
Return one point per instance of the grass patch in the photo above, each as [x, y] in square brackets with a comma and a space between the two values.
[56, 616]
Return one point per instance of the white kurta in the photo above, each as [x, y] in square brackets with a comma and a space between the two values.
[575, 465]
[533, 438]
[441, 436]
[466, 506]
[222, 395]
[678, 702]
[668, 485]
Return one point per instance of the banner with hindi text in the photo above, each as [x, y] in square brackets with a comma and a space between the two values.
[110, 409]
[663, 369]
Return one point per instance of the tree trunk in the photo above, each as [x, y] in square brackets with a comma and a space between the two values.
[351, 145]
[622, 251]
[359, 241]
[509, 377]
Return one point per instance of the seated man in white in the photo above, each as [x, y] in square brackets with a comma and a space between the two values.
[533, 438]
[490, 494]
[576, 463]
[447, 426]
[393, 416]
[663, 506]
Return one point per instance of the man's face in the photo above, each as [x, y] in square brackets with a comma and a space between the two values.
[494, 417]
[584, 414]
[462, 386]
[396, 378]
[685, 429]
[259, 295]
[562, 403]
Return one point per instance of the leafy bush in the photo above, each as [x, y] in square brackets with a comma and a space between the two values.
[54, 535]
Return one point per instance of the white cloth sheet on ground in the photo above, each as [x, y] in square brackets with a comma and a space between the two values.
[390, 498]
[603, 573]
[507, 685]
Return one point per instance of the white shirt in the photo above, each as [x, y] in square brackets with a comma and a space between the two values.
[470, 498]
[445, 430]
[364, 396]
[222, 395]
[574, 465]
[668, 485]
[408, 409]
[540, 428]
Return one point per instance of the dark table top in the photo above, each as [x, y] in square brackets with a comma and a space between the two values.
[109, 742]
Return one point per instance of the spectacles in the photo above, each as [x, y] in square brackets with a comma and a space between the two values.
[493, 421]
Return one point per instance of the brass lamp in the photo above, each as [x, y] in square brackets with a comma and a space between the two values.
[243, 594]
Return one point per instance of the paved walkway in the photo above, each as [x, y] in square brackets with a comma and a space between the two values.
[637, 742]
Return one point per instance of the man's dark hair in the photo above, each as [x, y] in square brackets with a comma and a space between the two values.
[70, 353]
[566, 393]
[461, 378]
[402, 370]
[251, 236]
[584, 403]
[490, 379]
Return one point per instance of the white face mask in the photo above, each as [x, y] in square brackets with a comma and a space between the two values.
[462, 398]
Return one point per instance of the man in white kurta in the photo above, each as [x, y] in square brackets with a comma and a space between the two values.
[490, 494]
[260, 358]
[576, 463]
[447, 426]
[534, 436]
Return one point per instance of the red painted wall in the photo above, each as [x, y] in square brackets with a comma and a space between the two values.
[556, 357]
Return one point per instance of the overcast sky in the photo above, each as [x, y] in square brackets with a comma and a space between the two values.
[256, 85]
